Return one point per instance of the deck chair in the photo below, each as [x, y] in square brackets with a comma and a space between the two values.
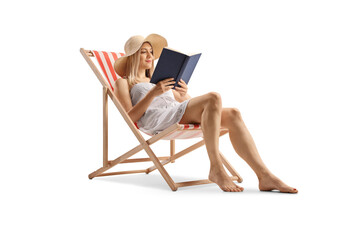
[176, 131]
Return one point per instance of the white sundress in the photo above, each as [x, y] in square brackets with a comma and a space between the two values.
[163, 111]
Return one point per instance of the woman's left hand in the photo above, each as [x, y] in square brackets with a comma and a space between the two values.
[183, 89]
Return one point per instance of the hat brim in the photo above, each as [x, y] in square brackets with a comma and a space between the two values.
[120, 66]
[157, 42]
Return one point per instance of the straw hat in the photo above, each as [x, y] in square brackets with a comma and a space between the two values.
[133, 45]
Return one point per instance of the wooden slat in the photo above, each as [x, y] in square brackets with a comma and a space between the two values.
[192, 183]
[134, 160]
[199, 182]
[122, 172]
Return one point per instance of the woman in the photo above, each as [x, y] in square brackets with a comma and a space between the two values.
[155, 108]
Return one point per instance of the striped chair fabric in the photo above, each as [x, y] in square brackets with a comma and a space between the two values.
[186, 131]
[106, 61]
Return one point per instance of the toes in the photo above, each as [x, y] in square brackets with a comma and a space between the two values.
[232, 188]
[228, 189]
[236, 188]
[291, 190]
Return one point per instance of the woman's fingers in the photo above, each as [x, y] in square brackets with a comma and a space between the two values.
[165, 81]
[182, 83]
[179, 89]
[171, 84]
[167, 84]
[168, 81]
[182, 89]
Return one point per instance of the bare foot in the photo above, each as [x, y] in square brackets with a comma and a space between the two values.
[271, 182]
[223, 180]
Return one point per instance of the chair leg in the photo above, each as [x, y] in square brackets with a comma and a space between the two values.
[230, 168]
[105, 128]
[160, 167]
[172, 149]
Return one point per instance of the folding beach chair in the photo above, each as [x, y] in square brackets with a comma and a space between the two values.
[176, 131]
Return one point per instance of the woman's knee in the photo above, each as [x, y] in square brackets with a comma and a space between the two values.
[234, 113]
[214, 99]
[229, 116]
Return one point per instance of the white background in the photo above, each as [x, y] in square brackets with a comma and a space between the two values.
[290, 67]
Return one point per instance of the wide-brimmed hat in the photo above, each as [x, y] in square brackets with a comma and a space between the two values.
[133, 45]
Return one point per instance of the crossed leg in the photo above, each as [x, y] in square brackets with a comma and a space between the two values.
[207, 110]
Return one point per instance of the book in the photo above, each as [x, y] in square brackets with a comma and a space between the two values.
[174, 64]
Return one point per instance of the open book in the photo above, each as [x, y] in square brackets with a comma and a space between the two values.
[174, 64]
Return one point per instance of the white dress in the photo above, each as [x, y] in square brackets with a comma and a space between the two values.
[163, 111]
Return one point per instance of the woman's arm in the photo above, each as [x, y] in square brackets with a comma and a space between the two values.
[121, 90]
[139, 109]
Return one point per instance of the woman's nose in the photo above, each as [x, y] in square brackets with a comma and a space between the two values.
[149, 55]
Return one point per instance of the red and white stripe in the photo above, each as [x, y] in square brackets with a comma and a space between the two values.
[106, 61]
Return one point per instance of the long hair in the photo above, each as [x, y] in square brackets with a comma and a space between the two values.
[132, 67]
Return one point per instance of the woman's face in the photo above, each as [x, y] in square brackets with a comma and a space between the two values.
[146, 56]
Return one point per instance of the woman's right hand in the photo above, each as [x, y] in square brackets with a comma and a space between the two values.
[162, 86]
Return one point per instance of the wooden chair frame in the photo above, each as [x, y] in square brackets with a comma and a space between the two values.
[159, 162]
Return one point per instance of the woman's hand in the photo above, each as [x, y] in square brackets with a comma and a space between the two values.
[162, 86]
[183, 89]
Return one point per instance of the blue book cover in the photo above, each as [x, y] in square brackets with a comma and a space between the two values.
[174, 64]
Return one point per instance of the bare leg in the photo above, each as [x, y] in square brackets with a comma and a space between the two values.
[244, 146]
[207, 109]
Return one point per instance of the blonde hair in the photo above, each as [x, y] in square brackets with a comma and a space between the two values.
[132, 67]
